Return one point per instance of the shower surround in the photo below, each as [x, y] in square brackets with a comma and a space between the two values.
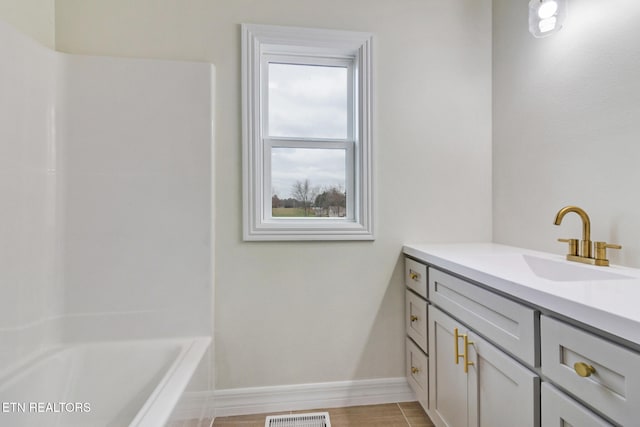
[105, 200]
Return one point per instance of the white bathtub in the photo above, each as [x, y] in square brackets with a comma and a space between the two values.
[115, 384]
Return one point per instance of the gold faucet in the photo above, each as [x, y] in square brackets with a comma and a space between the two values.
[586, 251]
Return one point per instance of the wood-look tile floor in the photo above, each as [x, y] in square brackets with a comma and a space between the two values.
[409, 414]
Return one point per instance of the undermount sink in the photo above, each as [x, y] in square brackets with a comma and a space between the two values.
[560, 271]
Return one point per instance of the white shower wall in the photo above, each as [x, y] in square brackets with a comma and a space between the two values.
[105, 197]
[28, 175]
[135, 148]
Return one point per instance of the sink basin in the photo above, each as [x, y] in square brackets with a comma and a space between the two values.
[560, 271]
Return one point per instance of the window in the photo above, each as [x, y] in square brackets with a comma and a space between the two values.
[307, 139]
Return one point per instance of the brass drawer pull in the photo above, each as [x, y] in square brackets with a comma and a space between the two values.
[456, 349]
[466, 353]
[414, 370]
[414, 276]
[583, 369]
[414, 318]
[456, 337]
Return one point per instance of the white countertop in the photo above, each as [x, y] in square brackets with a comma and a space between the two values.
[606, 298]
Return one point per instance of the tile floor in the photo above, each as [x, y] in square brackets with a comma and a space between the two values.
[409, 414]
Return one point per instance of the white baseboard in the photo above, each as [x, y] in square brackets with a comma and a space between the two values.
[257, 400]
[311, 396]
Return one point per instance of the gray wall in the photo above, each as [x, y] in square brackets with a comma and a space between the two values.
[35, 18]
[566, 126]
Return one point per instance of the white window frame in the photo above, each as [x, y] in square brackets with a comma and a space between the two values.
[262, 44]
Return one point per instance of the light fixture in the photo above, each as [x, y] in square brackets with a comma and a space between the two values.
[546, 16]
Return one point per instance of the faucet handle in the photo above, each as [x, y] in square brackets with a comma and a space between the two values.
[573, 245]
[601, 250]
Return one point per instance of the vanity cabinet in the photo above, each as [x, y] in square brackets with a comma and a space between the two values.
[494, 391]
[537, 355]
[416, 348]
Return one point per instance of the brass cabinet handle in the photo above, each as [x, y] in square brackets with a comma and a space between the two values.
[414, 276]
[456, 337]
[414, 318]
[414, 370]
[583, 369]
[456, 349]
[466, 353]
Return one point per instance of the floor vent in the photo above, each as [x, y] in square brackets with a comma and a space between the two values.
[316, 419]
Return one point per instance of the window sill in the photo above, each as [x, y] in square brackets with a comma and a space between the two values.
[294, 230]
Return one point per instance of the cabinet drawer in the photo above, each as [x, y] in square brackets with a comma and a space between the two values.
[558, 409]
[416, 319]
[613, 388]
[417, 372]
[415, 276]
[507, 323]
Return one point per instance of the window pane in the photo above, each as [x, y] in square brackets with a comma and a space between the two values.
[308, 182]
[307, 101]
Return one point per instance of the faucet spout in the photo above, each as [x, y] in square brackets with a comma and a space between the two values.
[585, 245]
